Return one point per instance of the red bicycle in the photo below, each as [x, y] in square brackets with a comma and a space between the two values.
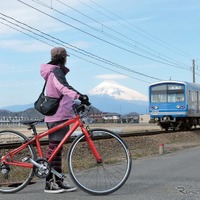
[99, 161]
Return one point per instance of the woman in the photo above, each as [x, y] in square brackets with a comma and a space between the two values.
[57, 86]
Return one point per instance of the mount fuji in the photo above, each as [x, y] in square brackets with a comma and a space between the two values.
[110, 96]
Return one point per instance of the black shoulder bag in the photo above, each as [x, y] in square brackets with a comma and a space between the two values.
[47, 105]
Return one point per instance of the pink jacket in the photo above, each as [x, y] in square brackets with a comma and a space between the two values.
[57, 86]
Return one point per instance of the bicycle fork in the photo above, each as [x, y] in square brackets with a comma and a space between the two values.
[87, 133]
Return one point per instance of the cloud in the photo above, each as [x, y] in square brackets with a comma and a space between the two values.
[32, 17]
[111, 76]
[17, 84]
[23, 45]
[24, 14]
[46, 24]
[81, 44]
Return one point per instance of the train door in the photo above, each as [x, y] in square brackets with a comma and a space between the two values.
[198, 102]
[189, 100]
[196, 105]
[193, 102]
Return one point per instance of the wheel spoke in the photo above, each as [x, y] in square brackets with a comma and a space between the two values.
[100, 178]
[12, 177]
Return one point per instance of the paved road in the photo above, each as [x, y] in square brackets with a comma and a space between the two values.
[168, 177]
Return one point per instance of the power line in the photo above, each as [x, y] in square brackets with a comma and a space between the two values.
[66, 46]
[70, 53]
[129, 25]
[157, 55]
[110, 43]
[78, 50]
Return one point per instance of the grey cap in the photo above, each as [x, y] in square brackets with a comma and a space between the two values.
[58, 52]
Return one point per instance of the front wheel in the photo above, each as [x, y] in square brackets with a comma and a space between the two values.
[94, 177]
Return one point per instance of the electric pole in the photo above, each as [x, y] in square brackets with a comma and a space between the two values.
[193, 70]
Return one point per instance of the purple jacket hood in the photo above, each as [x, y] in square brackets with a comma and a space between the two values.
[55, 88]
[46, 69]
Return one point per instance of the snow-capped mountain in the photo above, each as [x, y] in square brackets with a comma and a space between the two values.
[110, 96]
[113, 89]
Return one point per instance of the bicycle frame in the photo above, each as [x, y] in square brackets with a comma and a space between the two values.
[76, 121]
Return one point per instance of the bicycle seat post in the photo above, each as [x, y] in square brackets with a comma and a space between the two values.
[33, 129]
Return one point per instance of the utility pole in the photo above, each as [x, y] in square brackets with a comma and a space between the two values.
[193, 70]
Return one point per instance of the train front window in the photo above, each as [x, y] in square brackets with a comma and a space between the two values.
[167, 93]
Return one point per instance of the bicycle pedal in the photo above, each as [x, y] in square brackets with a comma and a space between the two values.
[63, 176]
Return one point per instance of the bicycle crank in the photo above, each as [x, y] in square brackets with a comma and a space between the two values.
[42, 167]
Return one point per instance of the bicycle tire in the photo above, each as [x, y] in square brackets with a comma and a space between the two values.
[99, 178]
[17, 177]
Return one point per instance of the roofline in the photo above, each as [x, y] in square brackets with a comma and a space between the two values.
[180, 82]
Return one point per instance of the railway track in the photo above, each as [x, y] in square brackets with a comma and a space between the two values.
[122, 134]
[155, 132]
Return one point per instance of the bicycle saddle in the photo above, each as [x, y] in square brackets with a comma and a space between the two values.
[31, 122]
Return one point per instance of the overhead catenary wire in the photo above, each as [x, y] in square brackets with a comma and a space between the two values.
[95, 55]
[77, 50]
[52, 45]
[129, 26]
[138, 46]
[96, 37]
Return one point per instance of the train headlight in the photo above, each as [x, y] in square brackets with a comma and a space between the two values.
[180, 107]
[154, 107]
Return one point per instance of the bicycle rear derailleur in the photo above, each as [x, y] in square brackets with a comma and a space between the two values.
[5, 169]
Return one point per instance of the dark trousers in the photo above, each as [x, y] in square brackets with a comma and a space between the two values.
[54, 140]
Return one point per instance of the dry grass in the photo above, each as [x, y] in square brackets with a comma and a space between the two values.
[140, 146]
[149, 145]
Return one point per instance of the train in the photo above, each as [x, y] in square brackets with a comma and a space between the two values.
[174, 104]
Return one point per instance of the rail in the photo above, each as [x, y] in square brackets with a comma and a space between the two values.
[122, 134]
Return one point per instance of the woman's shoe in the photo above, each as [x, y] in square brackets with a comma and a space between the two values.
[53, 188]
[66, 186]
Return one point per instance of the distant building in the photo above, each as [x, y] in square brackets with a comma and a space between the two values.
[144, 118]
[97, 117]
[13, 119]
[111, 117]
[132, 117]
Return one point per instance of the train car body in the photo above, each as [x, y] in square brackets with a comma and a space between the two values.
[174, 104]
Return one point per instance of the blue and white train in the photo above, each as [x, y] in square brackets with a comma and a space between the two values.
[174, 104]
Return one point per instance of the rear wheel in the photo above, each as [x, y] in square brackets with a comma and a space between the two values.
[14, 178]
[94, 177]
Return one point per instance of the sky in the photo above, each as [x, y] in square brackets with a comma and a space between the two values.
[133, 42]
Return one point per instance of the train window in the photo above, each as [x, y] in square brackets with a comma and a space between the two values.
[159, 93]
[167, 93]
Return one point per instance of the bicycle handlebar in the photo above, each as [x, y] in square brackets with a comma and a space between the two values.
[77, 108]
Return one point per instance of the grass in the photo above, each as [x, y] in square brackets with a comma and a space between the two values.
[141, 146]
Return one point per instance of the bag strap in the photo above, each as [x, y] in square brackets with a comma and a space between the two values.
[54, 74]
[45, 86]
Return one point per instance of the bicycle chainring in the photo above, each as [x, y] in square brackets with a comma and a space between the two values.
[44, 170]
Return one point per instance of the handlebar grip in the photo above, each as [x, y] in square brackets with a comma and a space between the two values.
[79, 108]
[88, 103]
